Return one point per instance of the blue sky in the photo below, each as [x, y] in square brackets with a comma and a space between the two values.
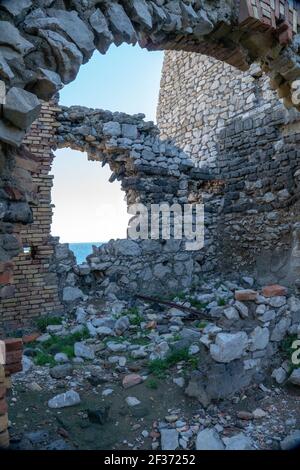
[125, 79]
[88, 207]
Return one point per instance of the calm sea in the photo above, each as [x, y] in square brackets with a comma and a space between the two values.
[82, 250]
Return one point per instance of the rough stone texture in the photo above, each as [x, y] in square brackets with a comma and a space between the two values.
[62, 38]
[295, 377]
[21, 108]
[233, 124]
[69, 398]
[208, 439]
[32, 288]
[229, 346]
[169, 439]
[292, 441]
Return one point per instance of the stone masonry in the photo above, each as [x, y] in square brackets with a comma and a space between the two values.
[254, 215]
[43, 43]
[35, 288]
[233, 124]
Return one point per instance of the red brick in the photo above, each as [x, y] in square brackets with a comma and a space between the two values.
[2, 391]
[13, 357]
[13, 368]
[131, 380]
[6, 278]
[30, 338]
[13, 344]
[245, 294]
[274, 290]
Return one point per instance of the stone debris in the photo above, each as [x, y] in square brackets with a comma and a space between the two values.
[216, 362]
[294, 378]
[209, 439]
[69, 398]
[132, 401]
[238, 442]
[169, 439]
[84, 351]
[245, 294]
[131, 380]
[292, 441]
[274, 291]
[229, 346]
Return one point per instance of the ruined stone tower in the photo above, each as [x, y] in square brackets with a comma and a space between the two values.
[233, 124]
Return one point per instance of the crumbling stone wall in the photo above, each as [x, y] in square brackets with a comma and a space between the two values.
[151, 171]
[44, 43]
[231, 123]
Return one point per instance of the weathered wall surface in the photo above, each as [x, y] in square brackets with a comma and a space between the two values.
[233, 125]
[35, 289]
[44, 43]
[150, 170]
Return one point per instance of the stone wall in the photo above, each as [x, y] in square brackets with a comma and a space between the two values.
[44, 43]
[233, 125]
[151, 171]
[41, 50]
[35, 289]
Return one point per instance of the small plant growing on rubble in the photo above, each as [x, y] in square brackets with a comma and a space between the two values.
[152, 384]
[221, 302]
[201, 324]
[134, 316]
[43, 322]
[55, 344]
[43, 359]
[159, 367]
[197, 304]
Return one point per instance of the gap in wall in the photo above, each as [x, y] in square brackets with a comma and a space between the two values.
[88, 208]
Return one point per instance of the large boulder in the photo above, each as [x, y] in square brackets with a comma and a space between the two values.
[104, 37]
[76, 29]
[238, 442]
[16, 7]
[218, 381]
[292, 441]
[21, 107]
[68, 57]
[10, 36]
[10, 134]
[229, 346]
[120, 24]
